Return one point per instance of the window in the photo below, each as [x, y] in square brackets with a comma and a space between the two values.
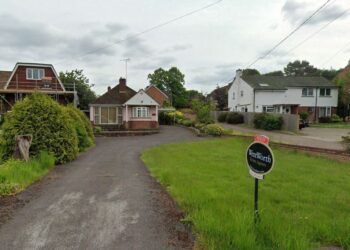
[325, 111]
[233, 95]
[325, 92]
[268, 109]
[307, 92]
[242, 93]
[97, 115]
[35, 74]
[105, 115]
[140, 112]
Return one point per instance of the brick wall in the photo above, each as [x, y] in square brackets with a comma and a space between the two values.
[157, 95]
[141, 125]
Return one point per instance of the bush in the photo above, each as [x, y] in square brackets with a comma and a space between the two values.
[304, 115]
[213, 129]
[234, 118]
[202, 111]
[222, 116]
[336, 118]
[187, 123]
[86, 122]
[325, 119]
[84, 140]
[97, 129]
[268, 121]
[346, 140]
[47, 122]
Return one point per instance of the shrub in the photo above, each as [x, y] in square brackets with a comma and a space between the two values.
[336, 118]
[202, 111]
[222, 116]
[268, 121]
[97, 129]
[346, 140]
[86, 122]
[47, 122]
[165, 119]
[84, 140]
[304, 115]
[213, 129]
[187, 123]
[325, 119]
[234, 118]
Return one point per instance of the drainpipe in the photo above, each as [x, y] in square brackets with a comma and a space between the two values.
[316, 105]
[254, 100]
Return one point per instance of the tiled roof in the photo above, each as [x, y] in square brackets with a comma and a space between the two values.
[4, 76]
[113, 96]
[283, 82]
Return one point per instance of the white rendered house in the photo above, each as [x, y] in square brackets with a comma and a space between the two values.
[283, 94]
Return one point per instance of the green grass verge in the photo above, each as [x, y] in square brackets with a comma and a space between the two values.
[345, 125]
[16, 175]
[304, 202]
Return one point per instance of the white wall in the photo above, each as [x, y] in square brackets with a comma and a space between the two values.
[237, 86]
[294, 96]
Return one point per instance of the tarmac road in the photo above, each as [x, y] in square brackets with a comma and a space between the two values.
[105, 199]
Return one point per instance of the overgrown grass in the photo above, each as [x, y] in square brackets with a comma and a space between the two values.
[345, 125]
[304, 202]
[16, 175]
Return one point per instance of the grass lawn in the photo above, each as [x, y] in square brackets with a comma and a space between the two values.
[345, 125]
[304, 202]
[16, 175]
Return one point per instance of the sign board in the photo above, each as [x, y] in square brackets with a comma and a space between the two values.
[262, 138]
[260, 159]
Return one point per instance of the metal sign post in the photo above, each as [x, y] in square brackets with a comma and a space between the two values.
[260, 161]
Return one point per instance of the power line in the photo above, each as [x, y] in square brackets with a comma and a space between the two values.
[289, 35]
[335, 54]
[318, 31]
[151, 29]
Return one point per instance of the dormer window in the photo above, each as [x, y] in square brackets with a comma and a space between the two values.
[35, 74]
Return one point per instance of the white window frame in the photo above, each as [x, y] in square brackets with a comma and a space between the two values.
[99, 115]
[30, 73]
[268, 109]
[325, 92]
[140, 112]
[309, 92]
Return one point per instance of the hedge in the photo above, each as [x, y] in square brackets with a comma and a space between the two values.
[47, 122]
[234, 118]
[268, 121]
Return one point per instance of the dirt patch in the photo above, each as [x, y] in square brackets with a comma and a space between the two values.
[182, 236]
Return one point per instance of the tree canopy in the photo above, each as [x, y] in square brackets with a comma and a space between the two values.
[172, 82]
[85, 93]
[250, 72]
[275, 73]
[300, 68]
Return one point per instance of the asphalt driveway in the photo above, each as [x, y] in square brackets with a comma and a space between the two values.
[105, 199]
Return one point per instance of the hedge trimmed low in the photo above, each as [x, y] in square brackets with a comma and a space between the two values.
[268, 121]
[234, 118]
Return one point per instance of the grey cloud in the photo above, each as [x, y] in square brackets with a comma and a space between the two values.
[295, 12]
[135, 47]
[154, 63]
[176, 48]
[220, 74]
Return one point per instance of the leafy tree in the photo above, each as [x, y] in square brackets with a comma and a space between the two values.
[171, 82]
[344, 95]
[202, 110]
[250, 72]
[193, 95]
[329, 74]
[301, 68]
[220, 95]
[85, 93]
[275, 73]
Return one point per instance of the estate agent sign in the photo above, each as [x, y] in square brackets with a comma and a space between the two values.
[260, 161]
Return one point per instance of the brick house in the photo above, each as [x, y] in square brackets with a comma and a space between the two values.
[27, 78]
[122, 107]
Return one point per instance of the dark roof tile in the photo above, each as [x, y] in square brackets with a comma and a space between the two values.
[113, 96]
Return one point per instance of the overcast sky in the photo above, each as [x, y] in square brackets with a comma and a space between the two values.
[207, 46]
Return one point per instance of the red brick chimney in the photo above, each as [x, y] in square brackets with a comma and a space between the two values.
[122, 85]
[109, 88]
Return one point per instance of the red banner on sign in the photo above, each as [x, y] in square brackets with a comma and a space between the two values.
[262, 138]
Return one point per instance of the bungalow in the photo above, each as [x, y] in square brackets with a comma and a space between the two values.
[283, 94]
[123, 108]
[27, 78]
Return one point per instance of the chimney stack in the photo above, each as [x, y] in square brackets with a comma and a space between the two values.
[239, 73]
[122, 85]
[109, 88]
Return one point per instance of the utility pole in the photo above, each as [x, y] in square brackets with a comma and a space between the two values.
[126, 60]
